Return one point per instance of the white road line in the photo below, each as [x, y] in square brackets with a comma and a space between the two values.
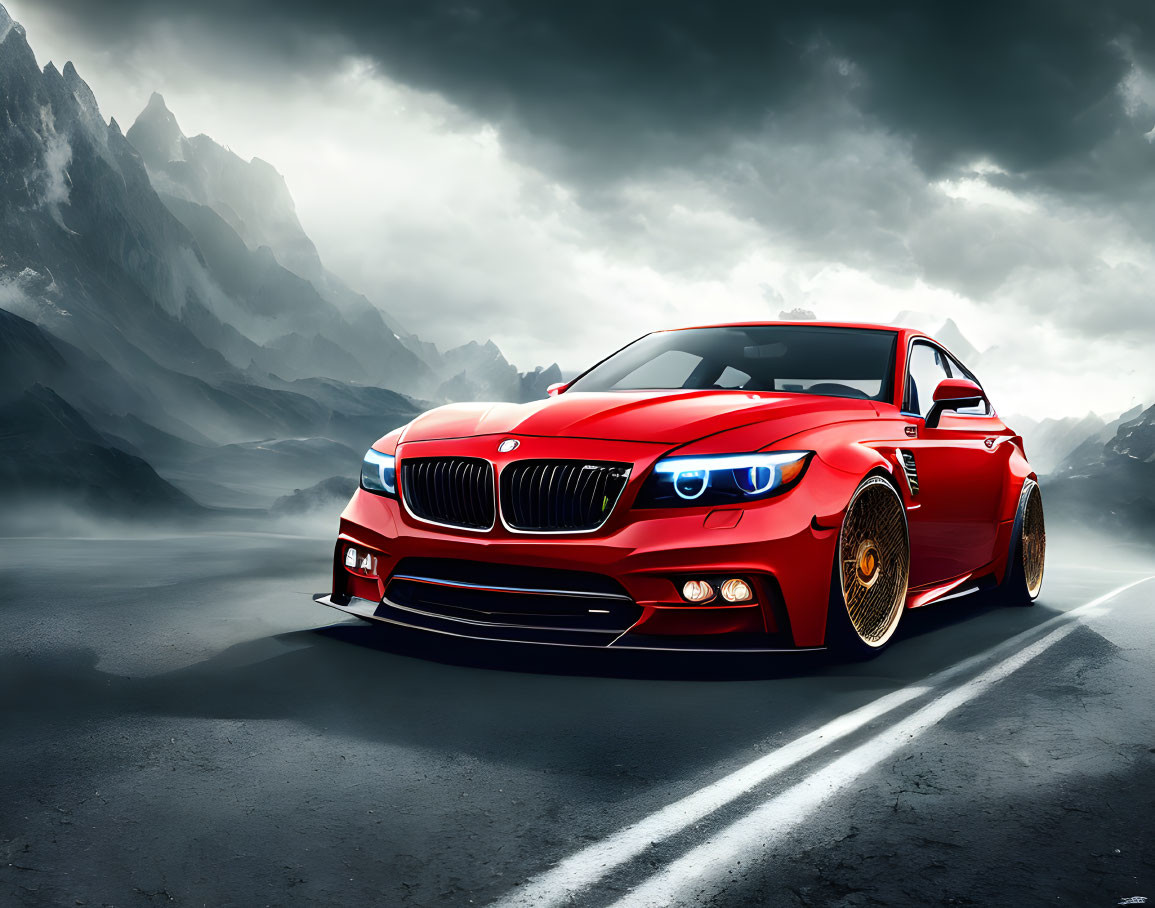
[593, 862]
[703, 870]
[585, 867]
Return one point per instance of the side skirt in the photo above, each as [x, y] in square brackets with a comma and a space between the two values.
[959, 587]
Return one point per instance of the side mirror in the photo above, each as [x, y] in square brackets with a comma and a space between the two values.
[556, 388]
[953, 394]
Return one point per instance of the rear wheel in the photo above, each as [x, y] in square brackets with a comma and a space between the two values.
[871, 573]
[1024, 577]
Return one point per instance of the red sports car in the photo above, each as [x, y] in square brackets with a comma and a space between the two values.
[769, 486]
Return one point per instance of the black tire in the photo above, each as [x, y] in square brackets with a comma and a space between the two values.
[871, 571]
[1023, 580]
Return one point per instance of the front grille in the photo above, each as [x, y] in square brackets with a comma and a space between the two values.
[559, 496]
[454, 491]
[512, 596]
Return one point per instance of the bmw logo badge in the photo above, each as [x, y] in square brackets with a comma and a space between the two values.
[508, 445]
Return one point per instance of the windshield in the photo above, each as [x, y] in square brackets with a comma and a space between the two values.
[837, 362]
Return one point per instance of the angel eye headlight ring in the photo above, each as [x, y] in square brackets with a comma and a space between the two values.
[690, 484]
[720, 479]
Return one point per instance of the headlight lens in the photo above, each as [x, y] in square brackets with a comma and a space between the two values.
[722, 479]
[379, 473]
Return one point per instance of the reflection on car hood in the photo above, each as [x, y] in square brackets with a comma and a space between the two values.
[664, 417]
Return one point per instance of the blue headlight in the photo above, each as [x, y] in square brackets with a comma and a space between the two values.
[379, 473]
[690, 484]
[755, 480]
[721, 479]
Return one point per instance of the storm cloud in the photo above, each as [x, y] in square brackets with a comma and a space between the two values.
[665, 162]
[1027, 84]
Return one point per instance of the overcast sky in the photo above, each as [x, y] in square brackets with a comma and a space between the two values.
[563, 177]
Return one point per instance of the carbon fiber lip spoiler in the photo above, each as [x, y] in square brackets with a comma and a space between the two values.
[386, 612]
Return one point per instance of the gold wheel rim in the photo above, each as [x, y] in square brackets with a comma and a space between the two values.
[874, 555]
[1034, 547]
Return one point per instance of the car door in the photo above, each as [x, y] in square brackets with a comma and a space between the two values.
[959, 467]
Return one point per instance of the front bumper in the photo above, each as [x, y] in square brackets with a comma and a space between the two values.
[784, 546]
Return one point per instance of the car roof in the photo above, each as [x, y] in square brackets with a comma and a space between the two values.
[807, 323]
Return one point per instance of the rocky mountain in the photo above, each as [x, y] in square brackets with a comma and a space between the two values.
[1048, 442]
[245, 222]
[1110, 484]
[251, 196]
[174, 314]
[482, 366]
[50, 455]
[308, 428]
[1053, 442]
[948, 332]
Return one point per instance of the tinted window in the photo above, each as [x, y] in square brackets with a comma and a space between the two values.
[669, 369]
[838, 362]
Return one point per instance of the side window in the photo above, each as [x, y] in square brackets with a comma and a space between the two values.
[958, 370]
[924, 370]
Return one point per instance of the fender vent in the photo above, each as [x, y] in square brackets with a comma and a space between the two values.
[906, 458]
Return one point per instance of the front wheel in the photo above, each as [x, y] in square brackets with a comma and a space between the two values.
[1024, 576]
[871, 573]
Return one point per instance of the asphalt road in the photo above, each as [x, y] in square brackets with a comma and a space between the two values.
[181, 725]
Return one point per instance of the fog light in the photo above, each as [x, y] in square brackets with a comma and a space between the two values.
[697, 591]
[737, 591]
[362, 563]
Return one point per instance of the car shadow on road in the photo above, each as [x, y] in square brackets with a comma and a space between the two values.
[545, 708]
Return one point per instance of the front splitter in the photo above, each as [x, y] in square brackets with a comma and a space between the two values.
[390, 613]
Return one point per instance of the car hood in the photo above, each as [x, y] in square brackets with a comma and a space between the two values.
[662, 417]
